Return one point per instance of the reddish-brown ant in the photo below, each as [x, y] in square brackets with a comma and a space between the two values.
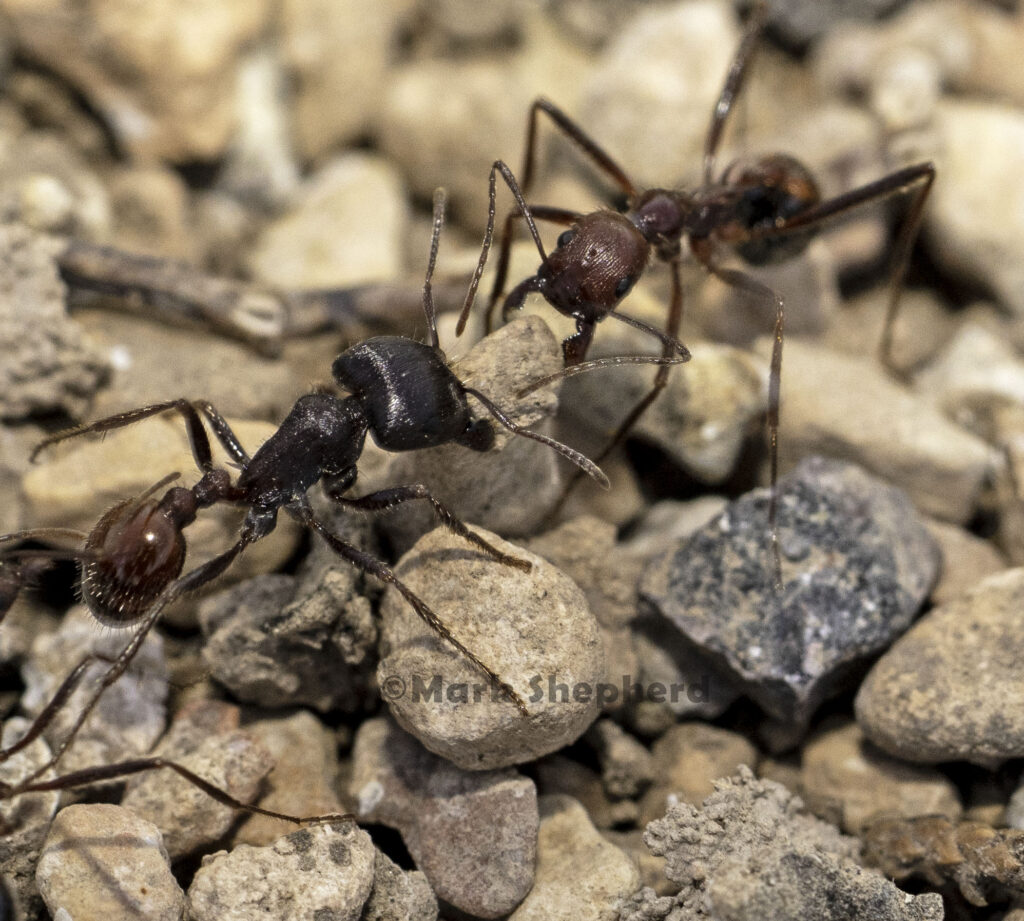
[763, 209]
[401, 392]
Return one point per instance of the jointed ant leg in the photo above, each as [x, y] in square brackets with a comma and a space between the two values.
[763, 293]
[139, 765]
[498, 166]
[384, 573]
[670, 345]
[428, 294]
[580, 138]
[734, 81]
[181, 586]
[388, 498]
[190, 410]
[917, 178]
[197, 436]
[583, 142]
[223, 432]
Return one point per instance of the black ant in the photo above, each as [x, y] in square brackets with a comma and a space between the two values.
[400, 391]
[764, 209]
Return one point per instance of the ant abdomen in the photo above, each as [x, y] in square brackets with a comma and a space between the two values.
[134, 552]
[772, 189]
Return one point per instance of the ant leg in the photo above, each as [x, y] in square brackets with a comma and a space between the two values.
[385, 499]
[19, 566]
[197, 436]
[561, 216]
[734, 81]
[763, 293]
[580, 138]
[223, 432]
[917, 179]
[139, 765]
[199, 441]
[670, 344]
[672, 324]
[45, 717]
[499, 166]
[379, 570]
[595, 363]
[187, 583]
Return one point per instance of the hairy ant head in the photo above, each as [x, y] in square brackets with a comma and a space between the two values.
[596, 264]
[771, 189]
[139, 550]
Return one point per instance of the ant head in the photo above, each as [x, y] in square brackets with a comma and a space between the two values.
[771, 189]
[595, 265]
[138, 551]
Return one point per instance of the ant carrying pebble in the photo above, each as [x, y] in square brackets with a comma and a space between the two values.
[400, 391]
[763, 209]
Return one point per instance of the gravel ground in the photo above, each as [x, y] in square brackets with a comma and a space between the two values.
[215, 200]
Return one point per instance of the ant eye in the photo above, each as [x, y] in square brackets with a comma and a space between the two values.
[623, 286]
[565, 237]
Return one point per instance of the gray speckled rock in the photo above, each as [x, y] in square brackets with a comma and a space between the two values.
[473, 834]
[952, 687]
[308, 640]
[324, 871]
[205, 739]
[102, 863]
[580, 875]
[857, 564]
[131, 714]
[749, 853]
[46, 364]
[533, 629]
[398, 895]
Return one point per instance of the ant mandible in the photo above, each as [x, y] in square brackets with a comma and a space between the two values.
[764, 209]
[400, 391]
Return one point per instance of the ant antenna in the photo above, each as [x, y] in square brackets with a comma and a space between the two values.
[594, 364]
[440, 198]
[580, 460]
